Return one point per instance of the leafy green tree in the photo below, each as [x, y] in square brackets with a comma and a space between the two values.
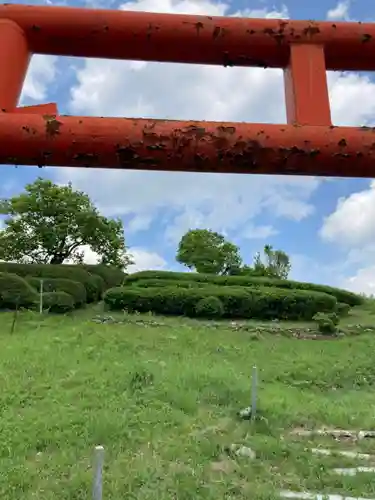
[48, 223]
[275, 263]
[206, 251]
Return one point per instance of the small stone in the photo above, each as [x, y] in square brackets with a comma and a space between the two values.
[243, 451]
[245, 413]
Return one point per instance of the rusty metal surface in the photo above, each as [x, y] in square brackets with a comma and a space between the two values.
[186, 146]
[224, 41]
[14, 62]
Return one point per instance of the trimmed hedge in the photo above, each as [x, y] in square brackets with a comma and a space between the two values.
[155, 283]
[95, 285]
[73, 288]
[266, 303]
[112, 276]
[58, 302]
[343, 296]
[74, 273]
[16, 293]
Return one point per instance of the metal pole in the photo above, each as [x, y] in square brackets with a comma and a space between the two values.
[41, 297]
[97, 493]
[254, 391]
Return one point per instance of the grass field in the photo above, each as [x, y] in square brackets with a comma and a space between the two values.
[162, 397]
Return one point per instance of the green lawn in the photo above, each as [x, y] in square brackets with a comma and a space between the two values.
[162, 397]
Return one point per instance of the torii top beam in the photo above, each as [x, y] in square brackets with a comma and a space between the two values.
[228, 41]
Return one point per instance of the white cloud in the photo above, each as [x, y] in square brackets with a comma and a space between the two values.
[309, 269]
[89, 256]
[340, 12]
[139, 223]
[221, 202]
[259, 232]
[362, 282]
[352, 98]
[144, 260]
[42, 72]
[352, 222]
[53, 2]
[351, 228]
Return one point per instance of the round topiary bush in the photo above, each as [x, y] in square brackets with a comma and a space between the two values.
[58, 302]
[93, 284]
[327, 323]
[112, 276]
[209, 307]
[73, 288]
[15, 292]
[342, 309]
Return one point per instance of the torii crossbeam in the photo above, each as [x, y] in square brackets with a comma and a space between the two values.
[307, 145]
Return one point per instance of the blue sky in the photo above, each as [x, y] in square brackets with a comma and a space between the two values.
[330, 241]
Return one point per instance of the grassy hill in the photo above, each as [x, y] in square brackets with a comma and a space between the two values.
[162, 396]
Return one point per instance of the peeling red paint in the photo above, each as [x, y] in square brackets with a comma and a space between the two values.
[184, 146]
[52, 125]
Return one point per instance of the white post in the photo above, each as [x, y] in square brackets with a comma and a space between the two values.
[97, 493]
[41, 297]
[254, 390]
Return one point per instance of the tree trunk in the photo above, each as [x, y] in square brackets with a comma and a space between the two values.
[57, 259]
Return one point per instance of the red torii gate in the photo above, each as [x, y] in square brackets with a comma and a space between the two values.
[308, 145]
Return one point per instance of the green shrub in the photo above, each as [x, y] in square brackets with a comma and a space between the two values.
[74, 273]
[155, 283]
[94, 285]
[246, 281]
[209, 307]
[342, 309]
[112, 276]
[73, 288]
[15, 292]
[266, 303]
[58, 302]
[327, 323]
[333, 316]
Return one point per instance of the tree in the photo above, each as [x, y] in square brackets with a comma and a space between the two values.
[48, 223]
[275, 263]
[208, 252]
